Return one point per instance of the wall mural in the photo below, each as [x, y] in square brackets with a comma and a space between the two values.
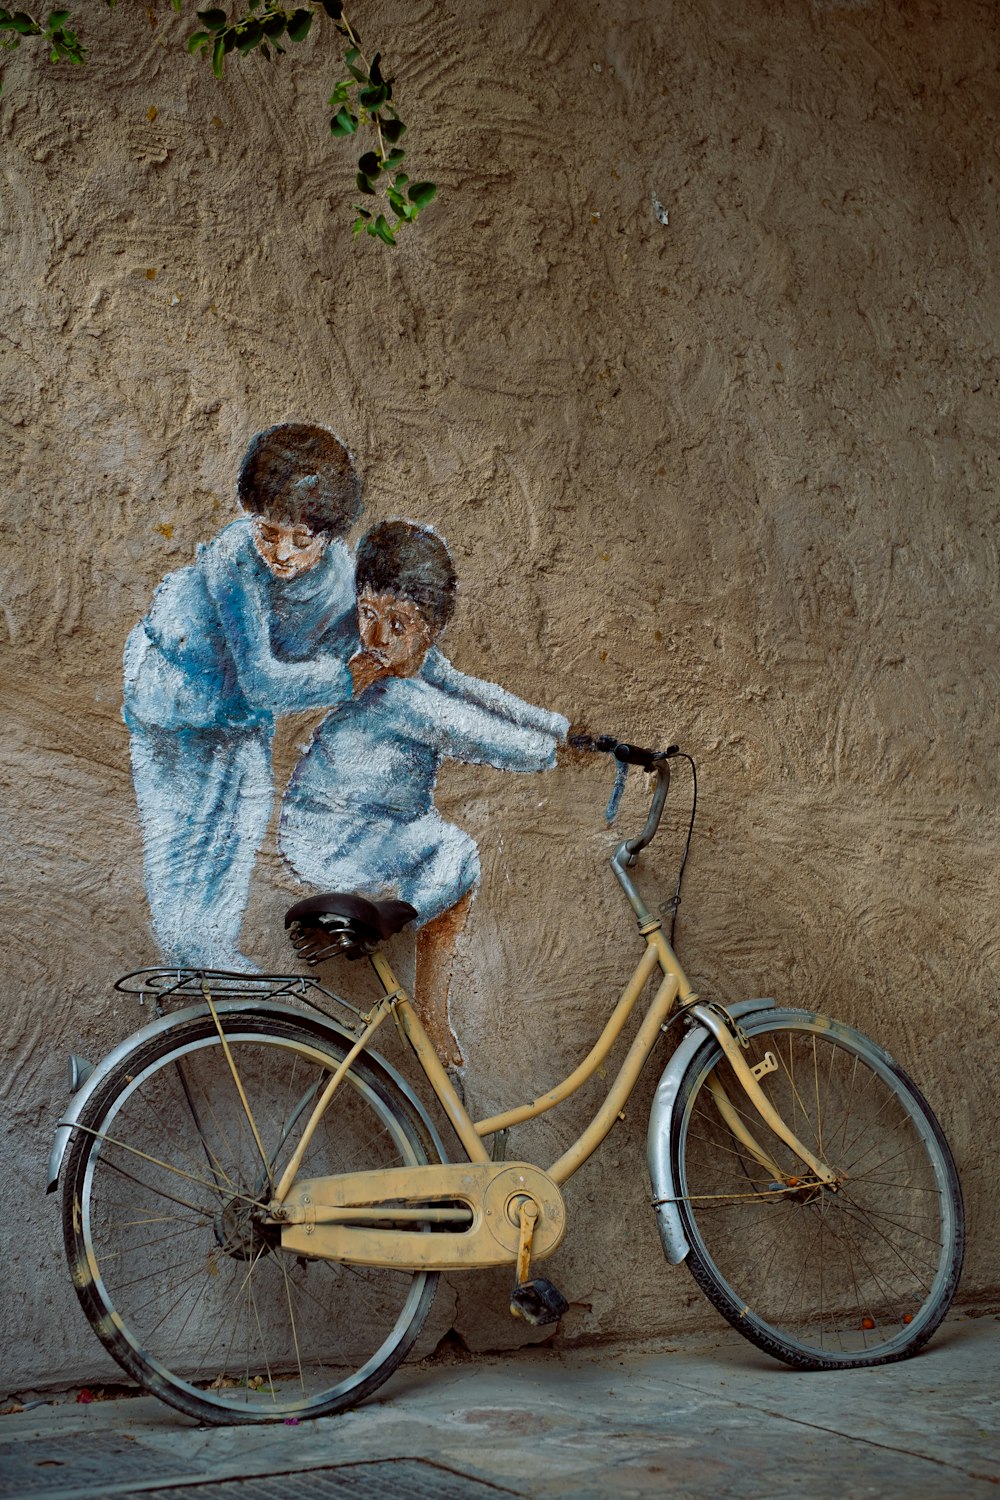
[274, 617]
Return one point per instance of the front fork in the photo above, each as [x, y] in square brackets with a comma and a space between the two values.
[728, 1034]
[748, 1076]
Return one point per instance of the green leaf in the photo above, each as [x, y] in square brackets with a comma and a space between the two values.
[218, 56]
[23, 24]
[372, 97]
[369, 164]
[350, 62]
[343, 122]
[364, 186]
[405, 211]
[383, 231]
[401, 179]
[197, 40]
[393, 130]
[393, 159]
[298, 26]
[374, 72]
[422, 193]
[215, 20]
[57, 20]
[250, 37]
[364, 212]
[273, 25]
[333, 9]
[341, 93]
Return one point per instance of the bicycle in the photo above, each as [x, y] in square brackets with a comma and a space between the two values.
[257, 1205]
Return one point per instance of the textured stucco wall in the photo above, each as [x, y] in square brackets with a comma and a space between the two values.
[731, 480]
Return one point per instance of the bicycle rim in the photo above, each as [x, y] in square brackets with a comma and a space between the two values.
[819, 1279]
[182, 1279]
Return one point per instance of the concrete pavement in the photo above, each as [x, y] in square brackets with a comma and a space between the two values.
[704, 1417]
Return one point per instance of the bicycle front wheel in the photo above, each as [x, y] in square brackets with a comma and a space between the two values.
[174, 1262]
[820, 1279]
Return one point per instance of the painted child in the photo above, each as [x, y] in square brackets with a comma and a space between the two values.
[261, 624]
[359, 811]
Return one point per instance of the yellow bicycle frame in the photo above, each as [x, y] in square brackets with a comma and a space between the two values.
[351, 1217]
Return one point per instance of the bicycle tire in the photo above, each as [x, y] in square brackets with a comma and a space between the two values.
[182, 1282]
[819, 1279]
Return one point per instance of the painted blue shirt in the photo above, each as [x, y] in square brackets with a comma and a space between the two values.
[379, 754]
[227, 644]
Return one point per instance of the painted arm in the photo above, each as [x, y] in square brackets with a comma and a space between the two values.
[234, 579]
[462, 729]
[438, 671]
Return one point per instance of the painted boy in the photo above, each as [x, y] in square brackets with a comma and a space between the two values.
[260, 624]
[359, 812]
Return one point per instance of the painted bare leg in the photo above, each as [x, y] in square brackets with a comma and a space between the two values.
[436, 944]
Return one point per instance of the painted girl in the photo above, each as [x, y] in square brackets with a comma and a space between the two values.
[359, 812]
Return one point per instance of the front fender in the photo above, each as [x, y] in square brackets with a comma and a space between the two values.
[668, 1219]
[313, 1020]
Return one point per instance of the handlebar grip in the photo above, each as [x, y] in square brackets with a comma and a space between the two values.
[635, 755]
[632, 755]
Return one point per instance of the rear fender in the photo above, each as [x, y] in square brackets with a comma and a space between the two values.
[322, 1025]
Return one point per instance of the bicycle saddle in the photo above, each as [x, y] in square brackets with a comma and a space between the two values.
[343, 922]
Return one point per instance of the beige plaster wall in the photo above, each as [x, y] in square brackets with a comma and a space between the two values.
[730, 479]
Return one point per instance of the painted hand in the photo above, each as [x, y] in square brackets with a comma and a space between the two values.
[571, 752]
[365, 668]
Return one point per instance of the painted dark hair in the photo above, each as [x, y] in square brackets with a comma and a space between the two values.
[400, 557]
[301, 472]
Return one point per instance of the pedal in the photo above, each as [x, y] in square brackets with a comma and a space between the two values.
[538, 1302]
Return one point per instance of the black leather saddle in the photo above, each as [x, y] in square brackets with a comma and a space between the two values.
[344, 923]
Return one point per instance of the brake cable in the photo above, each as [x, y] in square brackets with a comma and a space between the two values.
[611, 812]
[675, 900]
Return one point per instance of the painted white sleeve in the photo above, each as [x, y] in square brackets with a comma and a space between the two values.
[235, 585]
[462, 729]
[438, 671]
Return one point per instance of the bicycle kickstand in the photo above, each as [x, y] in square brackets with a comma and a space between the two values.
[538, 1302]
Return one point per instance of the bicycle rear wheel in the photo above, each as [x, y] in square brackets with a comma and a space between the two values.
[819, 1279]
[174, 1263]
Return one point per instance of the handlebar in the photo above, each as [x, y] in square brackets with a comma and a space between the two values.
[635, 755]
[631, 755]
[626, 854]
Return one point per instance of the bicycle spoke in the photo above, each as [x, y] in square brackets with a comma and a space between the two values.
[212, 1187]
[113, 1166]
